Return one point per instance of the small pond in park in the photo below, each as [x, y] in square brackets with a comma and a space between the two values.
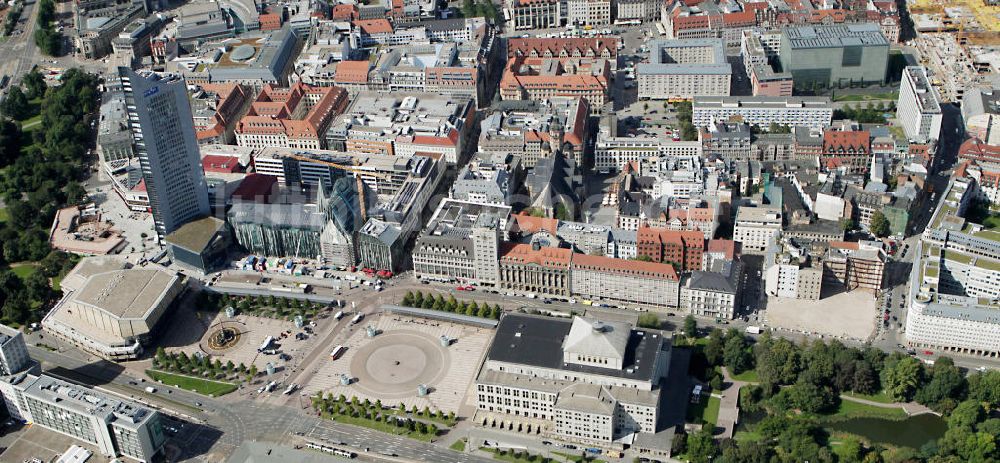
[913, 432]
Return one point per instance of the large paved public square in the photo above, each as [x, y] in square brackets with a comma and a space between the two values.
[406, 353]
[849, 315]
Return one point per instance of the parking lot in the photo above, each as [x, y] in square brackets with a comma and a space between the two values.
[31, 442]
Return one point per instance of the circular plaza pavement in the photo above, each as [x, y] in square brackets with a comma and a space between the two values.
[391, 365]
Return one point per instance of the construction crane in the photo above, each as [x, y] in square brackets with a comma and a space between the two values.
[353, 169]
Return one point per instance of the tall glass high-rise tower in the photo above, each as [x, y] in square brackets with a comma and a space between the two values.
[160, 119]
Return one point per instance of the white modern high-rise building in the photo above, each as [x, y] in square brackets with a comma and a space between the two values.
[13, 353]
[160, 119]
[919, 107]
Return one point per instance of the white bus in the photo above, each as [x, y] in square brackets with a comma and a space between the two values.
[337, 352]
[270, 386]
[267, 343]
[357, 318]
[290, 389]
[338, 315]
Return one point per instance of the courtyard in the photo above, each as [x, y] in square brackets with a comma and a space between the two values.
[404, 354]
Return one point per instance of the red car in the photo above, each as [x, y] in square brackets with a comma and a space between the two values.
[460, 288]
[927, 352]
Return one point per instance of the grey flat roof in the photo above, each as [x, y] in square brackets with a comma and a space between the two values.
[775, 102]
[656, 65]
[537, 341]
[969, 312]
[834, 36]
[128, 293]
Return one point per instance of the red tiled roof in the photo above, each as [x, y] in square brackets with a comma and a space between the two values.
[220, 164]
[739, 19]
[435, 141]
[836, 140]
[374, 26]
[636, 268]
[344, 11]
[270, 22]
[255, 186]
[722, 246]
[545, 256]
[976, 150]
[556, 46]
[699, 214]
[531, 224]
[844, 245]
[355, 72]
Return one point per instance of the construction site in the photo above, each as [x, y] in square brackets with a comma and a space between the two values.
[959, 41]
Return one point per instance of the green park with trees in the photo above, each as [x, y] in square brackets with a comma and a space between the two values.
[199, 373]
[471, 308]
[798, 390]
[412, 423]
[280, 308]
[48, 39]
[484, 8]
[869, 114]
[44, 133]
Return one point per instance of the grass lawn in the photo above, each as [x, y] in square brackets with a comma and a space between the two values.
[867, 96]
[848, 409]
[458, 446]
[4, 216]
[509, 456]
[24, 269]
[880, 397]
[746, 436]
[707, 410]
[191, 383]
[991, 222]
[31, 122]
[577, 458]
[749, 376]
[380, 426]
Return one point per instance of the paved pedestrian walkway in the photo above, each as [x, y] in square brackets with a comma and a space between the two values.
[911, 408]
[729, 409]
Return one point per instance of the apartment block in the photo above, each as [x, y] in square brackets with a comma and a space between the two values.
[755, 227]
[528, 78]
[814, 112]
[292, 117]
[624, 281]
[684, 68]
